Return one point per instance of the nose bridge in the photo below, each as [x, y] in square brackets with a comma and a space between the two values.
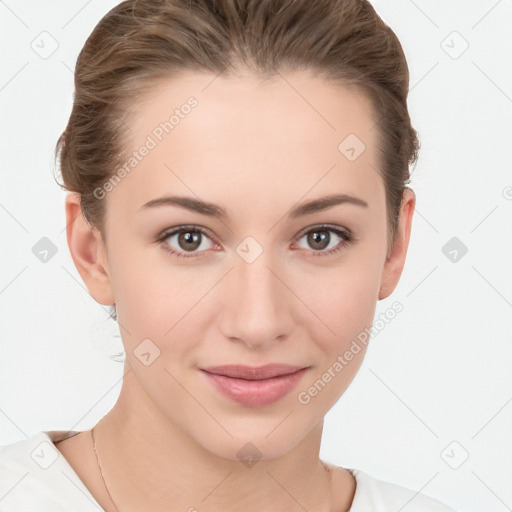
[256, 310]
[257, 287]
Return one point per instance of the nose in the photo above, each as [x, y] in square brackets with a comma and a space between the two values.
[257, 303]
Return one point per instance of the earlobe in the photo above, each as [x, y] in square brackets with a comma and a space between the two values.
[87, 250]
[395, 261]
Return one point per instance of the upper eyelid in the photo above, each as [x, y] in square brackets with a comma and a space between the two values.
[191, 227]
[327, 227]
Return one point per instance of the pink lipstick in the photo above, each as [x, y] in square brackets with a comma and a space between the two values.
[254, 386]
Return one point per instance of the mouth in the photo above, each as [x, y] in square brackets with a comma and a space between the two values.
[253, 372]
[254, 386]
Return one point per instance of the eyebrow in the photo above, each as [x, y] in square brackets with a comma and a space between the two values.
[213, 210]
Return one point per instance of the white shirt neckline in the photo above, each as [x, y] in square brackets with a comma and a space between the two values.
[35, 475]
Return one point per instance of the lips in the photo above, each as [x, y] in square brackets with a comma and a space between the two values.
[253, 372]
[254, 386]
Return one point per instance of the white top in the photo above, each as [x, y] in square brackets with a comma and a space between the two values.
[35, 477]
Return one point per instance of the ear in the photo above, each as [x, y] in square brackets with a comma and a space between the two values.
[395, 260]
[88, 252]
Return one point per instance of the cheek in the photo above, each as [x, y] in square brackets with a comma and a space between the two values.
[344, 309]
[160, 301]
[341, 301]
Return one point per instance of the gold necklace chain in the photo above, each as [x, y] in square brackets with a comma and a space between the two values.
[101, 471]
[328, 469]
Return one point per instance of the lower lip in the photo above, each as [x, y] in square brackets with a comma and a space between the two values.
[256, 393]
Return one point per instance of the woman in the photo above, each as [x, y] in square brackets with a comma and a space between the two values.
[237, 175]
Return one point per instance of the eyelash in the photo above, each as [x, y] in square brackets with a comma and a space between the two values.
[345, 234]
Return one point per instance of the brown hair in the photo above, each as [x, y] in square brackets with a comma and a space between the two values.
[140, 41]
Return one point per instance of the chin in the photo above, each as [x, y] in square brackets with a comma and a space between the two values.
[250, 449]
[256, 439]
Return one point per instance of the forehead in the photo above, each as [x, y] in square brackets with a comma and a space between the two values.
[286, 135]
[290, 106]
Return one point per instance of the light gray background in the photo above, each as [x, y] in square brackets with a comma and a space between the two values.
[436, 383]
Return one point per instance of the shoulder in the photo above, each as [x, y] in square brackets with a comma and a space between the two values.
[35, 476]
[381, 496]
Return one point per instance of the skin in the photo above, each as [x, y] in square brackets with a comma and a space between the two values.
[257, 148]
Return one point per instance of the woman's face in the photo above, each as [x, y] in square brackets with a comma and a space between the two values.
[265, 282]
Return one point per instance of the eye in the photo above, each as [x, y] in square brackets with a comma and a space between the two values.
[188, 239]
[191, 239]
[319, 238]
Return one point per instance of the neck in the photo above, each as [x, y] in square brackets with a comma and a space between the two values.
[150, 464]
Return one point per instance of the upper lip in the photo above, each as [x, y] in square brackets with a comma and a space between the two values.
[253, 372]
